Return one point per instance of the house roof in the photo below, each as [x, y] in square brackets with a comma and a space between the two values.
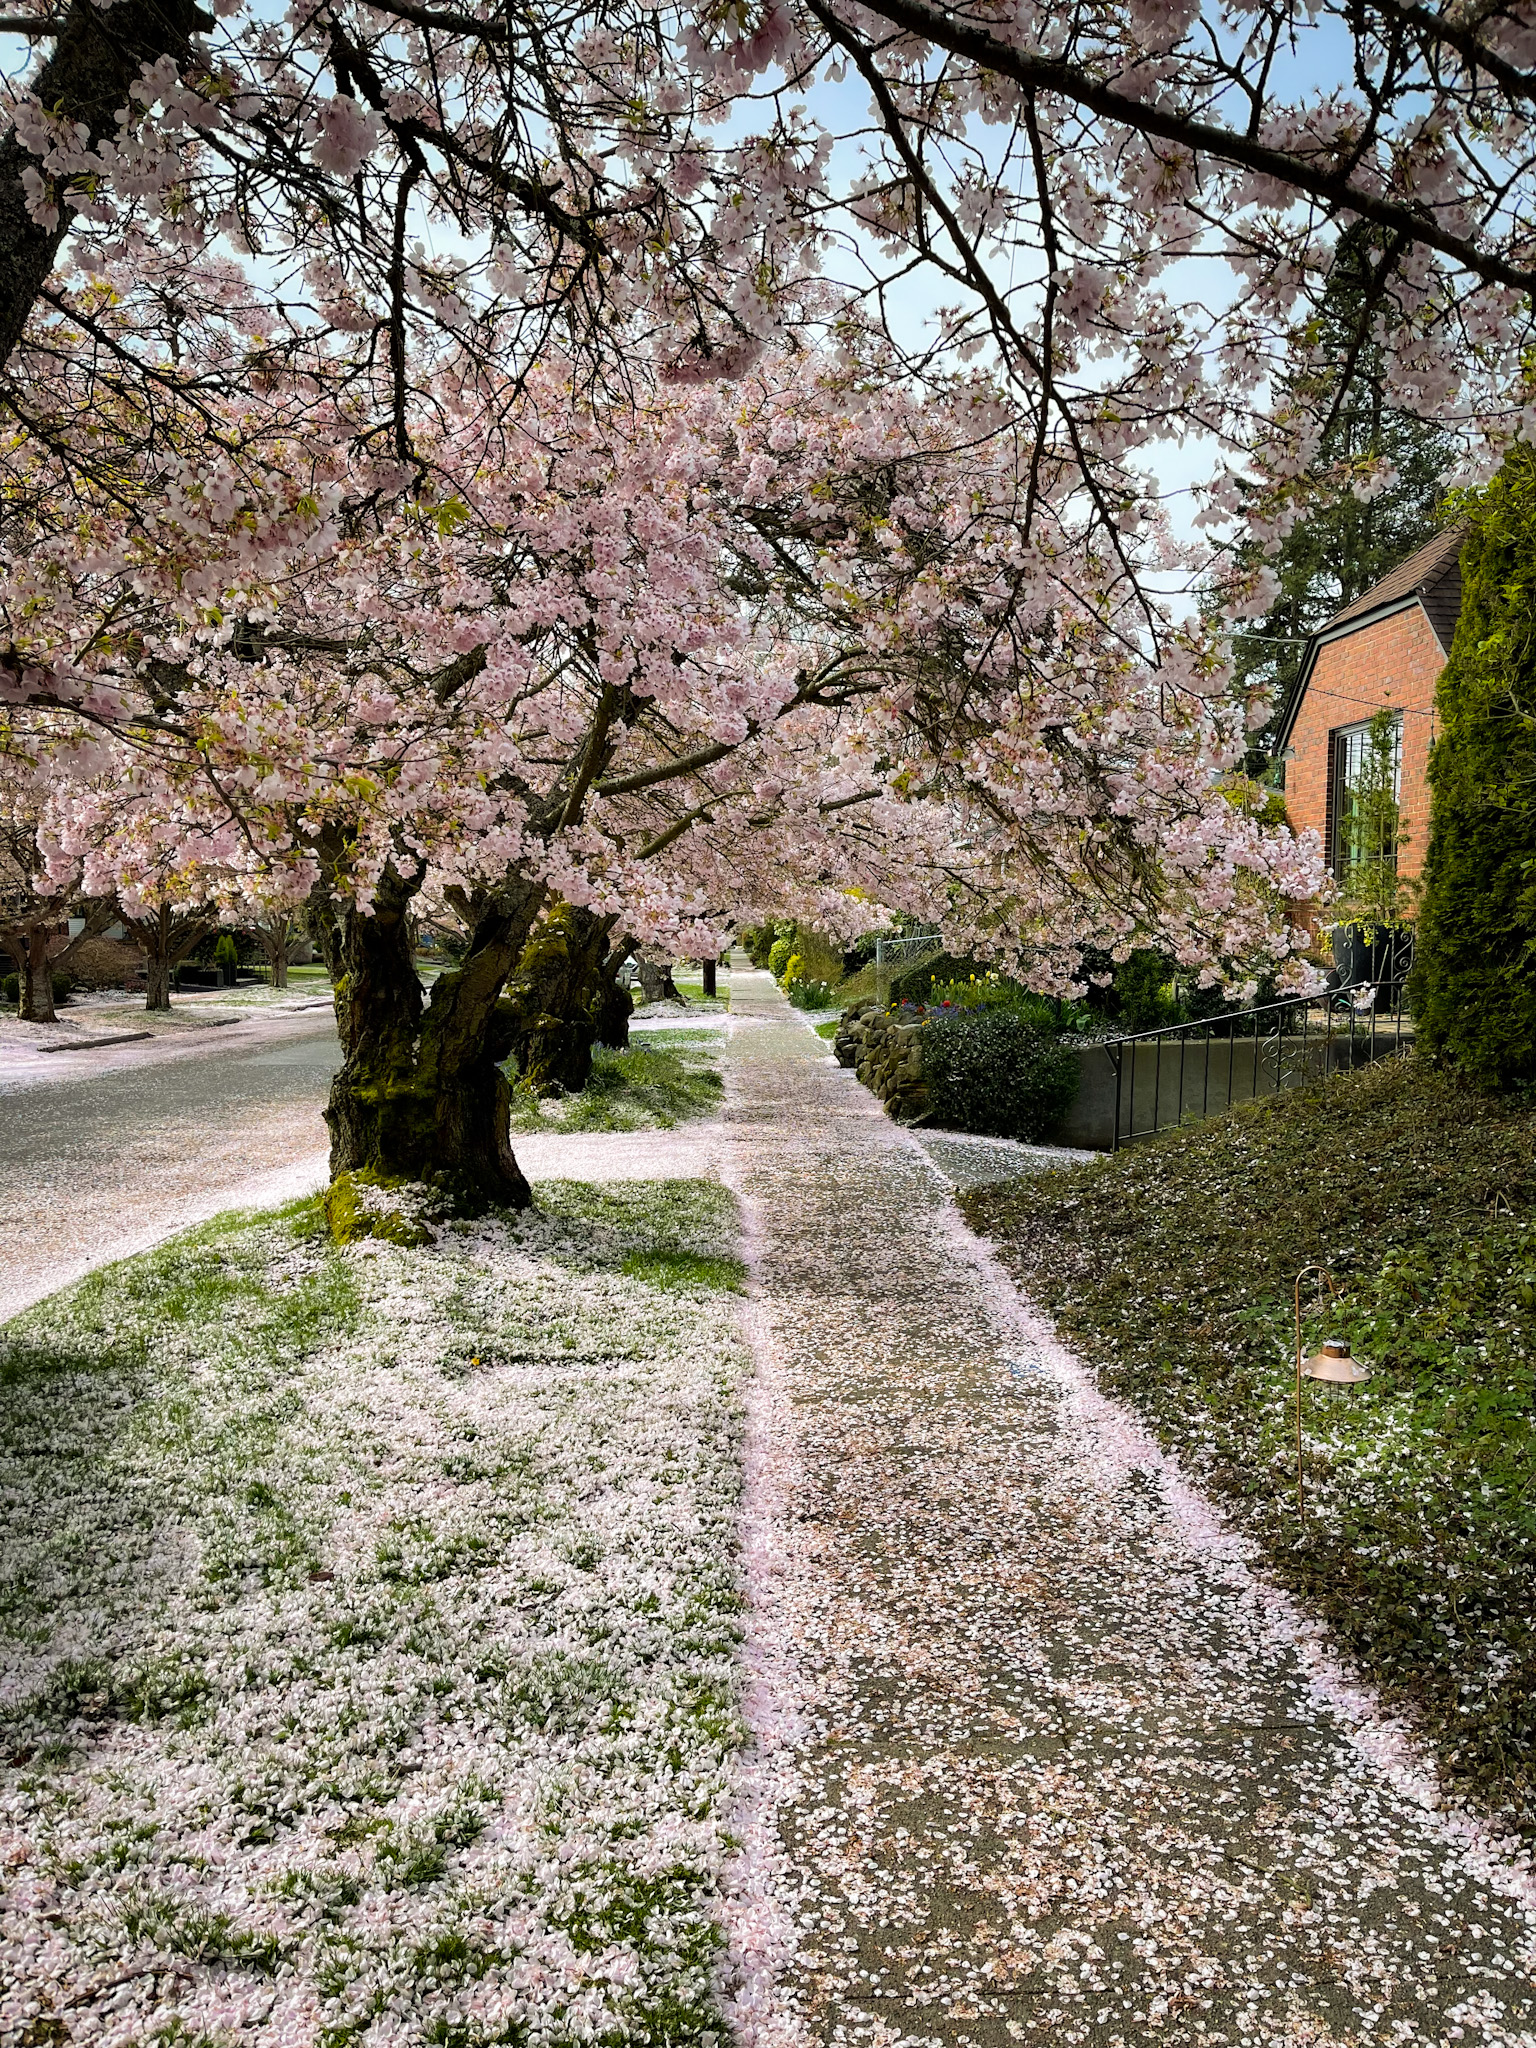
[1431, 573]
[1431, 577]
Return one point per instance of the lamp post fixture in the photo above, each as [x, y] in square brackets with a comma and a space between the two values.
[1333, 1364]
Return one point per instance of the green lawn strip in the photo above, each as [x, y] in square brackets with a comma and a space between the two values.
[371, 1624]
[664, 1078]
[829, 1029]
[691, 989]
[1170, 1267]
[666, 1232]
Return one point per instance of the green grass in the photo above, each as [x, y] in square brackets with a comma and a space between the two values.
[1170, 1267]
[829, 1029]
[321, 1560]
[684, 1269]
[691, 987]
[215, 1280]
[667, 1233]
[663, 1079]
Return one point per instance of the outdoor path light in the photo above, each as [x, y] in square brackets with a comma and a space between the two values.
[1333, 1364]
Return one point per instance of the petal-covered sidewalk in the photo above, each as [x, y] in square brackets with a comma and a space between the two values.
[1039, 1760]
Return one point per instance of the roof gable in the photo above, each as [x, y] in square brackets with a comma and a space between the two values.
[1431, 577]
[1424, 575]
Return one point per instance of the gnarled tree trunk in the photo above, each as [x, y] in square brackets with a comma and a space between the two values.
[557, 1000]
[33, 944]
[166, 937]
[656, 983]
[420, 1094]
[37, 1005]
[27, 945]
[615, 1004]
[275, 936]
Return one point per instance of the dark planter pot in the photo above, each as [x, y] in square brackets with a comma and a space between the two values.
[1373, 956]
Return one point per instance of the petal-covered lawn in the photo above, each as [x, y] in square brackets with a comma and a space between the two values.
[369, 1627]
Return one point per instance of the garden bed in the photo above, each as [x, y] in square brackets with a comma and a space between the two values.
[1170, 1267]
[369, 1632]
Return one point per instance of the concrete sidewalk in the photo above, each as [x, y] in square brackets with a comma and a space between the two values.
[1040, 1760]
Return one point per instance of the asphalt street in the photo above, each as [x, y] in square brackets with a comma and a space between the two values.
[100, 1162]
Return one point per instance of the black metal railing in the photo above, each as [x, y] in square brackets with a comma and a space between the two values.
[1183, 1072]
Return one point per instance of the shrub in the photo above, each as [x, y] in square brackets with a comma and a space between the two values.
[1145, 991]
[226, 954]
[10, 988]
[995, 991]
[994, 1073]
[780, 954]
[810, 995]
[1474, 984]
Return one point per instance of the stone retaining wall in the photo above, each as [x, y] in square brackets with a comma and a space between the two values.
[887, 1056]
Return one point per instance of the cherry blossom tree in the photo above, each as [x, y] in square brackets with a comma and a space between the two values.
[794, 636]
[277, 934]
[34, 911]
[1133, 209]
[166, 937]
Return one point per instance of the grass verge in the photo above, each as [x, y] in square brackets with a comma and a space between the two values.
[692, 989]
[664, 1078]
[1170, 1267]
[369, 1632]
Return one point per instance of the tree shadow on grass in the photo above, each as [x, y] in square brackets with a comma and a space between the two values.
[139, 1405]
[668, 1233]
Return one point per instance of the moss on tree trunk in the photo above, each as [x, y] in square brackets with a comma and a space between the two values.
[420, 1095]
[563, 998]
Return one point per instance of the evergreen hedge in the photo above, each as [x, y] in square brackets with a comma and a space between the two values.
[993, 1073]
[1474, 985]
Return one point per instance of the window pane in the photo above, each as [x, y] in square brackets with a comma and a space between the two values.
[1367, 786]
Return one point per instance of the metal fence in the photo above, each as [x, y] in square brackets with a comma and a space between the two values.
[907, 947]
[1186, 1071]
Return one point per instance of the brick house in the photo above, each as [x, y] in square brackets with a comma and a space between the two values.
[1384, 652]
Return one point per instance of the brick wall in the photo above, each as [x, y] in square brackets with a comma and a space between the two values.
[1390, 666]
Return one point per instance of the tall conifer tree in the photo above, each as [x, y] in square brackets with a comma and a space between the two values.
[1475, 982]
[1348, 543]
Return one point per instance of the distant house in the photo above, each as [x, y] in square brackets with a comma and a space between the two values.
[1384, 652]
